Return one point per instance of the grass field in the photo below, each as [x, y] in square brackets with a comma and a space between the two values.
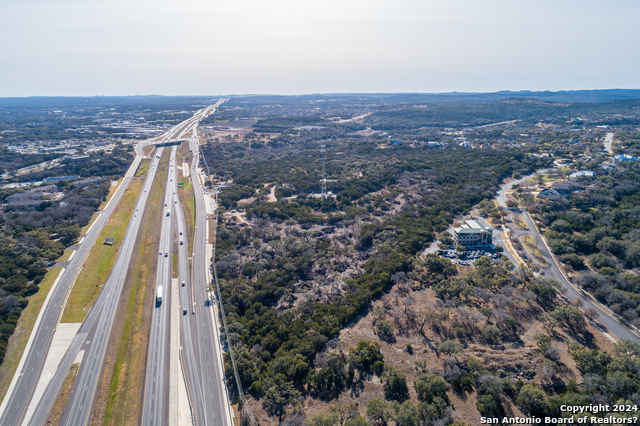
[530, 245]
[124, 376]
[184, 152]
[519, 222]
[189, 206]
[18, 341]
[174, 263]
[102, 257]
[143, 167]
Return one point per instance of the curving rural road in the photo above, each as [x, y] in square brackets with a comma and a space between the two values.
[572, 293]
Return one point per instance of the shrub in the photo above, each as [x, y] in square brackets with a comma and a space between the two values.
[395, 385]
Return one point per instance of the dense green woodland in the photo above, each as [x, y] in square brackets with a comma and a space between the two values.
[599, 228]
[97, 164]
[31, 240]
[10, 161]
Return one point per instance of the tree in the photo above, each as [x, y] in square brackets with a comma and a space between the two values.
[364, 355]
[446, 238]
[429, 386]
[407, 414]
[544, 291]
[449, 347]
[490, 389]
[543, 341]
[278, 396]
[395, 384]
[438, 265]
[632, 255]
[378, 412]
[532, 401]
[571, 317]
[323, 419]
[384, 329]
[601, 260]
[356, 421]
[572, 259]
[491, 333]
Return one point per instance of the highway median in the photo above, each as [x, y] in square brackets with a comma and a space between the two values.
[122, 383]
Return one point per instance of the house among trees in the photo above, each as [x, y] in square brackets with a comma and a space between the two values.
[566, 187]
[582, 173]
[625, 157]
[550, 194]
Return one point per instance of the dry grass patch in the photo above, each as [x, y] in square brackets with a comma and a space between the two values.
[61, 402]
[530, 245]
[519, 222]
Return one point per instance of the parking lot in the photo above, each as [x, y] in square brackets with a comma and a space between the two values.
[468, 257]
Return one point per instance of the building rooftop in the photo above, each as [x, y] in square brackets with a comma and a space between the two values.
[462, 230]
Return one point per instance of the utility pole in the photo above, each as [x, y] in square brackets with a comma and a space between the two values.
[323, 188]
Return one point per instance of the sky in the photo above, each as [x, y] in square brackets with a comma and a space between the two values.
[218, 47]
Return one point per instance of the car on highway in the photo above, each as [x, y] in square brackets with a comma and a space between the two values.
[160, 254]
[166, 254]
[180, 232]
[184, 311]
[182, 283]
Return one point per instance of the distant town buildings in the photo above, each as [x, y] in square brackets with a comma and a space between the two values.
[625, 157]
[53, 179]
[33, 198]
[472, 234]
[582, 173]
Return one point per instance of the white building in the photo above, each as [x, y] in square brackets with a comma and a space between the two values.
[472, 234]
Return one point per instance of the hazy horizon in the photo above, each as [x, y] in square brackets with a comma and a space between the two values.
[283, 47]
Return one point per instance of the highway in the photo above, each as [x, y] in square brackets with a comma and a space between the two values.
[213, 385]
[197, 339]
[189, 334]
[156, 391]
[93, 337]
[18, 397]
[90, 344]
[553, 270]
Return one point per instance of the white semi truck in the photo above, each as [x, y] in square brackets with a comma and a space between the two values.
[159, 295]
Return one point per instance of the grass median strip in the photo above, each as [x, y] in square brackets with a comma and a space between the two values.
[188, 202]
[58, 408]
[98, 265]
[530, 245]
